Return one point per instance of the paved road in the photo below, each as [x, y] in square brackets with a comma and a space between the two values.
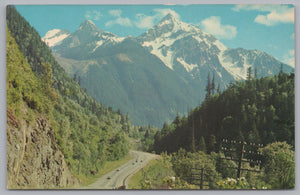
[120, 176]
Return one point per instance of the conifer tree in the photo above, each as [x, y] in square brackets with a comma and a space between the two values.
[249, 73]
[75, 77]
[202, 145]
[193, 136]
[208, 87]
[212, 143]
[79, 80]
[219, 89]
[255, 72]
[281, 69]
[213, 85]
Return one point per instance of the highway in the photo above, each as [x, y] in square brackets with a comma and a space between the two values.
[119, 177]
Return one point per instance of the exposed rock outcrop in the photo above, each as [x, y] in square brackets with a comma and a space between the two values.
[33, 158]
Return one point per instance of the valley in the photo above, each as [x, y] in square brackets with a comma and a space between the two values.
[171, 108]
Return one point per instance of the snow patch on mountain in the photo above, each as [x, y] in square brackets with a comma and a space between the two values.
[55, 37]
[163, 23]
[106, 40]
[166, 59]
[98, 44]
[188, 67]
[156, 48]
[51, 33]
[220, 45]
[231, 67]
[116, 39]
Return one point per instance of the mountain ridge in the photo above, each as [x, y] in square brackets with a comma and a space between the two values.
[183, 48]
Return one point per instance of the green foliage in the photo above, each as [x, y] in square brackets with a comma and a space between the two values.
[154, 175]
[258, 110]
[202, 145]
[222, 165]
[22, 85]
[86, 132]
[233, 184]
[185, 164]
[279, 165]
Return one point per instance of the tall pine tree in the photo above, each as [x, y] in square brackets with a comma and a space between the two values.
[208, 87]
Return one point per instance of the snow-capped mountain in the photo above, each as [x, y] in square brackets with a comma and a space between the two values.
[162, 38]
[85, 41]
[164, 70]
[237, 61]
[187, 49]
[54, 37]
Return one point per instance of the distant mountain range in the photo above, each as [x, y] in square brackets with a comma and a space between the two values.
[158, 74]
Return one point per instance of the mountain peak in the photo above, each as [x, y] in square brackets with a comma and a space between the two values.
[169, 16]
[88, 25]
[170, 19]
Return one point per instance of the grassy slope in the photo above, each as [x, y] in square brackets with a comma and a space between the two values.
[155, 172]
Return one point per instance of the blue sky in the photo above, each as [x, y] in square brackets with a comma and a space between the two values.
[268, 28]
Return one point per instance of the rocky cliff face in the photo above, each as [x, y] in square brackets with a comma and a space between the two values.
[33, 158]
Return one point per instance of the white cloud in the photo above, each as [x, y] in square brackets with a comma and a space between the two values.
[93, 15]
[119, 20]
[213, 26]
[115, 12]
[275, 13]
[289, 58]
[160, 13]
[143, 21]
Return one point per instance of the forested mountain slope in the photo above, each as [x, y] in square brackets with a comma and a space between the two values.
[33, 157]
[257, 110]
[87, 133]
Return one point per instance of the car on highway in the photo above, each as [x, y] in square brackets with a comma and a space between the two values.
[108, 177]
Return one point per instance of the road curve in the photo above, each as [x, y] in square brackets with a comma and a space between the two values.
[120, 176]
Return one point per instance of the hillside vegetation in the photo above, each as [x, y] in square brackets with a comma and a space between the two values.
[87, 133]
[33, 157]
[257, 113]
[260, 110]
